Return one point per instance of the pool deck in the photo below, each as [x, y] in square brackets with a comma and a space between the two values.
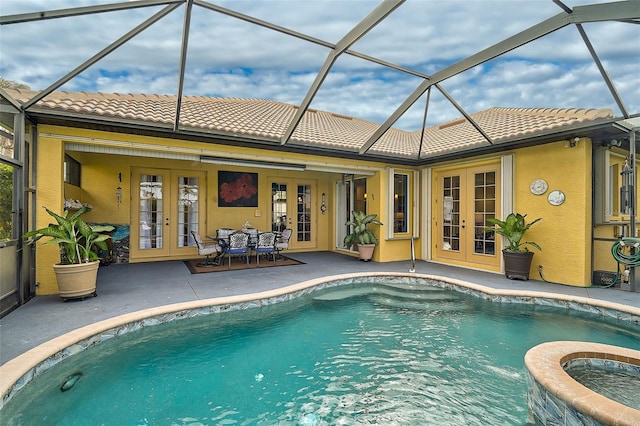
[126, 288]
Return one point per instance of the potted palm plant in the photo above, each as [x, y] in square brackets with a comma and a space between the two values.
[77, 271]
[361, 235]
[516, 255]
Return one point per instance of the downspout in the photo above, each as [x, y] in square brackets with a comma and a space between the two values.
[633, 277]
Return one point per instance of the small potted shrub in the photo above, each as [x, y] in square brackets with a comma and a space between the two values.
[361, 235]
[517, 257]
[77, 271]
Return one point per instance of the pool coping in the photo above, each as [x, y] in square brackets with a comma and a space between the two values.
[16, 373]
[546, 364]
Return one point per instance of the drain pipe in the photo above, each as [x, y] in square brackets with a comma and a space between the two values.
[633, 278]
[412, 269]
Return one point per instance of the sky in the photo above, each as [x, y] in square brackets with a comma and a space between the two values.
[230, 58]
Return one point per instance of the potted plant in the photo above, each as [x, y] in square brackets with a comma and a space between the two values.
[361, 235]
[77, 271]
[517, 257]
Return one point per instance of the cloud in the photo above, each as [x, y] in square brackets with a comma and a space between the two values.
[228, 57]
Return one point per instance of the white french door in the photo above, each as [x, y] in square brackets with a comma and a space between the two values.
[294, 205]
[167, 206]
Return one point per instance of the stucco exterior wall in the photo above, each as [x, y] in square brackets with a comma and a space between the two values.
[102, 173]
[49, 183]
[565, 231]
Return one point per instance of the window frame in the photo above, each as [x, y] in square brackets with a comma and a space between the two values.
[72, 171]
[411, 218]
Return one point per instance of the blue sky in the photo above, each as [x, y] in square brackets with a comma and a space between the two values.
[231, 58]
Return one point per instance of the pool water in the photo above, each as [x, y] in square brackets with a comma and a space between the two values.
[364, 354]
[615, 383]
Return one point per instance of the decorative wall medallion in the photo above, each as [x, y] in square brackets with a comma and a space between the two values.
[538, 186]
[556, 198]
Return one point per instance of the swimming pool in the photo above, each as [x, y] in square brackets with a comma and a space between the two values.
[399, 353]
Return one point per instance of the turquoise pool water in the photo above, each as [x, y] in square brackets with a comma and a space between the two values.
[348, 355]
[613, 381]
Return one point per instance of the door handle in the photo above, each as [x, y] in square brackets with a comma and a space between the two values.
[166, 221]
[463, 224]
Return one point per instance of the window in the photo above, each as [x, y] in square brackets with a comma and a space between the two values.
[402, 209]
[71, 171]
[611, 198]
[6, 202]
[400, 203]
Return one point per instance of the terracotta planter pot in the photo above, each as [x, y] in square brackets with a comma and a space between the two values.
[366, 251]
[517, 265]
[77, 281]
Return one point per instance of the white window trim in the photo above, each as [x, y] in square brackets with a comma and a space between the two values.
[412, 207]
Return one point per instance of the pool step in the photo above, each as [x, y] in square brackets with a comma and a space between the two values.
[396, 291]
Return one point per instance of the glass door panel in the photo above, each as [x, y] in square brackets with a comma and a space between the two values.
[151, 212]
[279, 207]
[303, 201]
[483, 203]
[484, 208]
[292, 206]
[450, 222]
[351, 195]
[188, 210]
[451, 225]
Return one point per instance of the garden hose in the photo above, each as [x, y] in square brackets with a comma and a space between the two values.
[632, 258]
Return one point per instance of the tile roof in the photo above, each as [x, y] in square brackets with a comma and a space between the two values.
[268, 121]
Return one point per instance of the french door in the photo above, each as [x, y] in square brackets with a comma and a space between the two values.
[167, 205]
[294, 205]
[465, 199]
[351, 194]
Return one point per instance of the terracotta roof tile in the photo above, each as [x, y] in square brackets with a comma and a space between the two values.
[269, 120]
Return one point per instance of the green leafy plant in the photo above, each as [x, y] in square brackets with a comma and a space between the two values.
[360, 233]
[513, 229]
[77, 240]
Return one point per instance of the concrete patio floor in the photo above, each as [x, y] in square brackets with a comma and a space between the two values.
[125, 288]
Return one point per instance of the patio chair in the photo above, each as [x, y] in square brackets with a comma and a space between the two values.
[282, 242]
[253, 235]
[207, 250]
[265, 244]
[237, 245]
[222, 234]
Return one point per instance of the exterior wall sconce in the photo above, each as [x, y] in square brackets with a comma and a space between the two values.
[323, 205]
[119, 191]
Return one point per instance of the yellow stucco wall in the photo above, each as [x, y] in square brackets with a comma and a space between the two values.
[565, 231]
[101, 174]
[100, 180]
[49, 181]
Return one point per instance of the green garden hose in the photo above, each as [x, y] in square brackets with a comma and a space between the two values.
[632, 258]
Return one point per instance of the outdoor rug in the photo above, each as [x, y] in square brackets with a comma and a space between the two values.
[238, 264]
